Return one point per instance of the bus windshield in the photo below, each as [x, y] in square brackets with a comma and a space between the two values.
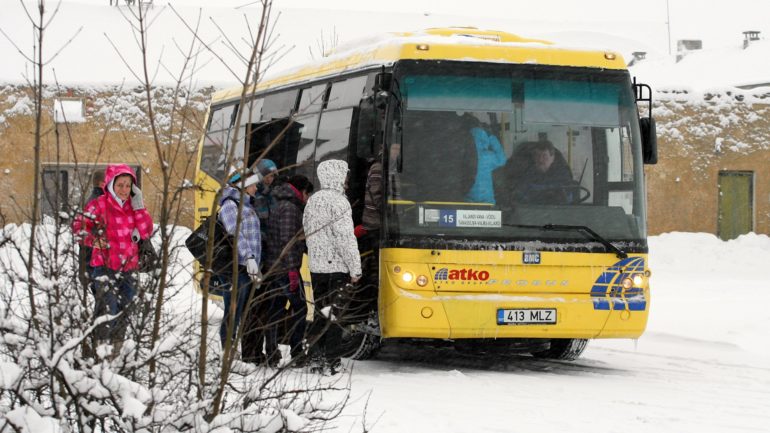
[492, 152]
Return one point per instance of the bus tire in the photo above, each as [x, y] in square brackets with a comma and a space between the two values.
[358, 345]
[364, 346]
[565, 349]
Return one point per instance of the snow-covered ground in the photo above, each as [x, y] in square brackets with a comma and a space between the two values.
[702, 366]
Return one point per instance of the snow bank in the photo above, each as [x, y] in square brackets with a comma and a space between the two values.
[707, 289]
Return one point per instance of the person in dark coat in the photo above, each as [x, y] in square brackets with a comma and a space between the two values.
[263, 199]
[372, 215]
[285, 247]
[539, 174]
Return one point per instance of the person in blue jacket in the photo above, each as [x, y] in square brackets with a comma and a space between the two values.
[490, 157]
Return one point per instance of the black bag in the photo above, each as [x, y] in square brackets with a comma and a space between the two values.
[222, 252]
[149, 260]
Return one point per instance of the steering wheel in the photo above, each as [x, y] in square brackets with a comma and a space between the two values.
[582, 195]
[573, 190]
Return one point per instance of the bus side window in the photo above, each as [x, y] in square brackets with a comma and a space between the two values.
[250, 119]
[303, 158]
[335, 134]
[216, 142]
[266, 135]
[312, 100]
[348, 93]
[336, 120]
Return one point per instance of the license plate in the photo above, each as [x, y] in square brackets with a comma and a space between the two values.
[527, 316]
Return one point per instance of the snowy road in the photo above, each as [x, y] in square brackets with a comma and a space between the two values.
[663, 383]
[702, 366]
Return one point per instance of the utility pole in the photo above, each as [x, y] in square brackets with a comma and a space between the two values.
[668, 26]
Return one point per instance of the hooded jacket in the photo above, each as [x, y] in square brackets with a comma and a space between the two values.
[285, 243]
[105, 218]
[328, 224]
[490, 156]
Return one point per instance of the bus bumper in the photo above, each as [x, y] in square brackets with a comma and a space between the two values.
[454, 315]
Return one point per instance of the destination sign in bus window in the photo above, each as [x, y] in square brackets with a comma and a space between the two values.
[464, 218]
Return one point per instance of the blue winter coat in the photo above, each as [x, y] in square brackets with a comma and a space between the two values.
[490, 156]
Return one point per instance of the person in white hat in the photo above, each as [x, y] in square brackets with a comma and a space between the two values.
[249, 248]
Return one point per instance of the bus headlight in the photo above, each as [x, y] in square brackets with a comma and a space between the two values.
[627, 283]
[422, 281]
[638, 280]
[407, 277]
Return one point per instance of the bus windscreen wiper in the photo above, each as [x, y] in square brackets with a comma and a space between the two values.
[584, 230]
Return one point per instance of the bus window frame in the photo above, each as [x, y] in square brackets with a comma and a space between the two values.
[226, 143]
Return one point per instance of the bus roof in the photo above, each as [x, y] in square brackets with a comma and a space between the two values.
[452, 43]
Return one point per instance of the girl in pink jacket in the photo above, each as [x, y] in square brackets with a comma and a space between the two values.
[114, 223]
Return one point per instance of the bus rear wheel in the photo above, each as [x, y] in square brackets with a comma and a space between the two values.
[565, 349]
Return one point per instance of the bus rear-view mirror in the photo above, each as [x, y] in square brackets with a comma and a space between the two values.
[649, 140]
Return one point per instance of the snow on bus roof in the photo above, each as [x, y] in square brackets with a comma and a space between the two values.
[385, 49]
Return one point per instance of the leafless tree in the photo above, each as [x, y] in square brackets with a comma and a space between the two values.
[325, 45]
[163, 375]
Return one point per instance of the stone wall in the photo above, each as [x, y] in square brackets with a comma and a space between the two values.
[115, 129]
[699, 136]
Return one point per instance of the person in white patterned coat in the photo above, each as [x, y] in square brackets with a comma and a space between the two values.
[333, 255]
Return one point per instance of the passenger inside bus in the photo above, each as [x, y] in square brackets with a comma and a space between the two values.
[489, 157]
[437, 151]
[536, 173]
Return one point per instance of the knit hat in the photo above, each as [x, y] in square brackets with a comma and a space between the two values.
[251, 180]
[235, 175]
[266, 166]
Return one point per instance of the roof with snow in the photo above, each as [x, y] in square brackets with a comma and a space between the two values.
[710, 69]
[452, 43]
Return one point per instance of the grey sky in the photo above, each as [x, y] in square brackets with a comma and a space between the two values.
[716, 23]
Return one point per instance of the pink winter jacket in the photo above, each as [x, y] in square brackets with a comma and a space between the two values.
[104, 217]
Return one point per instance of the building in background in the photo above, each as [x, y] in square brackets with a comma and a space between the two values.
[86, 128]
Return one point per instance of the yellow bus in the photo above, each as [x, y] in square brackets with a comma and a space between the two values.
[513, 214]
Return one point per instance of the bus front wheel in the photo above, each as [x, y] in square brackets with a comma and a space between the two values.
[360, 346]
[566, 349]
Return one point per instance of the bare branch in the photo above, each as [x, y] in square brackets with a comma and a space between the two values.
[59, 51]
[207, 45]
[123, 59]
[19, 50]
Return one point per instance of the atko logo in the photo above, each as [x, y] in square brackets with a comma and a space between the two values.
[461, 275]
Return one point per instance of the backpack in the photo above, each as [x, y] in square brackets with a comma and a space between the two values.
[222, 253]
